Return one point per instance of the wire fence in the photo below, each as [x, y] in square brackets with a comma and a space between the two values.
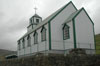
[70, 44]
[62, 46]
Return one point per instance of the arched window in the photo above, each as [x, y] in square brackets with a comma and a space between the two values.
[65, 32]
[35, 38]
[28, 41]
[43, 34]
[19, 45]
[23, 43]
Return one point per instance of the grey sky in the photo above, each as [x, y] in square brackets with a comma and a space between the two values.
[14, 16]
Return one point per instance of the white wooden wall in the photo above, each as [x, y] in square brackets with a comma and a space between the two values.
[84, 34]
[41, 46]
[69, 42]
[84, 31]
[56, 29]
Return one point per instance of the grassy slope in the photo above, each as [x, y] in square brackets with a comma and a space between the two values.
[3, 53]
[97, 44]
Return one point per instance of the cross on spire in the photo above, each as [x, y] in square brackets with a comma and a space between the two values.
[35, 9]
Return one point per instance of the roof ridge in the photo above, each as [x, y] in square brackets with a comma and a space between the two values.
[73, 15]
[49, 18]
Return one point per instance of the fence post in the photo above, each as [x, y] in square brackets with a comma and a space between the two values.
[78, 45]
[24, 51]
[64, 48]
[37, 47]
[90, 46]
[90, 49]
[30, 50]
[46, 48]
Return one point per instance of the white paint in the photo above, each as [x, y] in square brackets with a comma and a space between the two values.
[56, 29]
[84, 31]
[84, 35]
[41, 46]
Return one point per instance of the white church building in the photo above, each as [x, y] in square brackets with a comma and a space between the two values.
[65, 29]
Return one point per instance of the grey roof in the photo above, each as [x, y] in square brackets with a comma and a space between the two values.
[36, 15]
[72, 16]
[42, 23]
[46, 20]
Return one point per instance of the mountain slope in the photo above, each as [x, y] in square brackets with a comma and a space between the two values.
[4, 53]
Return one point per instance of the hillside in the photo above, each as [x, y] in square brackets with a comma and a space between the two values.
[6, 52]
[97, 44]
[3, 53]
[54, 60]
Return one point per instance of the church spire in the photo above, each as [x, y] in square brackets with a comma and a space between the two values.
[35, 9]
[35, 4]
[35, 19]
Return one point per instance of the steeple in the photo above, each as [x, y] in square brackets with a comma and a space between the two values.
[34, 20]
[35, 9]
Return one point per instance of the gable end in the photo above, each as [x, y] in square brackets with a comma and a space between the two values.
[49, 26]
[63, 9]
[74, 31]
[85, 13]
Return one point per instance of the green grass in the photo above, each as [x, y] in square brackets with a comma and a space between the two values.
[97, 37]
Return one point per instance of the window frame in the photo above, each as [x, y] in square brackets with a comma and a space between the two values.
[23, 43]
[37, 20]
[67, 34]
[28, 41]
[19, 45]
[43, 34]
[35, 38]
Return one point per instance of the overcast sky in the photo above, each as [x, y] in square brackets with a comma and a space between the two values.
[15, 14]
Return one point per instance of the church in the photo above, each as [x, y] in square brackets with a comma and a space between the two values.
[65, 29]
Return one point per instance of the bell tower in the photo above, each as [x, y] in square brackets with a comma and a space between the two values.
[34, 21]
